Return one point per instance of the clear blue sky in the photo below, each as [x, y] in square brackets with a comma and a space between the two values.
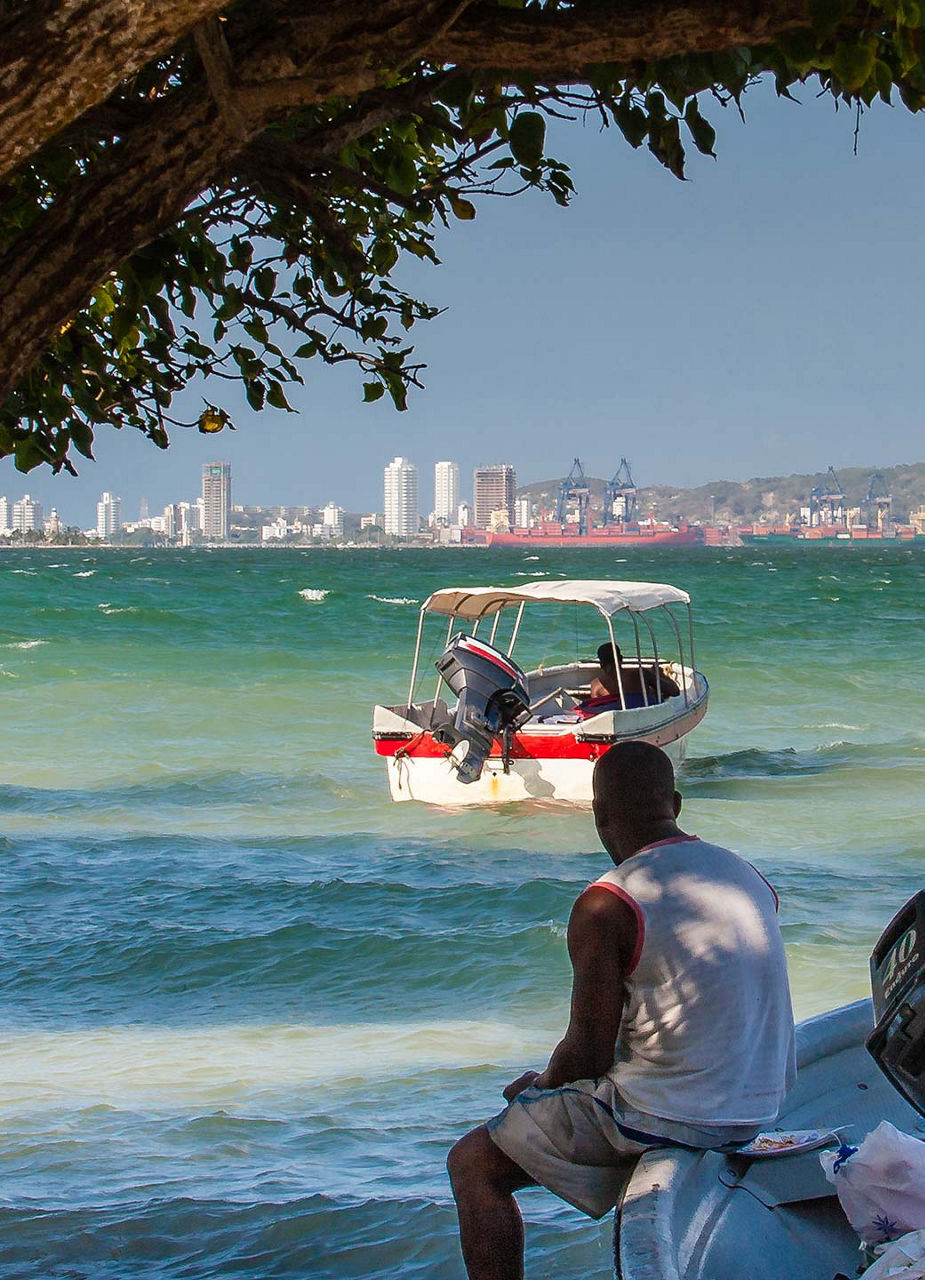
[762, 318]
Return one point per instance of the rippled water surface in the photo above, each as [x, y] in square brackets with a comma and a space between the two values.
[247, 1004]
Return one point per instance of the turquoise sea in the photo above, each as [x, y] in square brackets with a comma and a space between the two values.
[247, 1004]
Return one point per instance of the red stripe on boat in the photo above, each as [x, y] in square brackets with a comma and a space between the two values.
[534, 747]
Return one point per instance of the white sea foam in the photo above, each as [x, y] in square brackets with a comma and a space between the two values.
[392, 599]
[535, 573]
[31, 573]
[85, 573]
[836, 724]
[313, 593]
[23, 644]
[531, 557]
[106, 607]
[227, 1065]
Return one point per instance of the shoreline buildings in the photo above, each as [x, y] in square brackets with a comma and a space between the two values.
[494, 491]
[400, 480]
[446, 492]
[216, 500]
[108, 516]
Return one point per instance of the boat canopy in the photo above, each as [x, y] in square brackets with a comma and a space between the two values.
[607, 597]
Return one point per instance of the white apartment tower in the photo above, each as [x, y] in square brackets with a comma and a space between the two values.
[108, 516]
[27, 515]
[401, 498]
[6, 514]
[216, 500]
[332, 521]
[446, 491]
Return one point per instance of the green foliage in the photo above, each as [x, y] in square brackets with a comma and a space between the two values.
[293, 259]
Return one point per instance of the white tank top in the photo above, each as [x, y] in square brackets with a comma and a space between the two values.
[707, 1030]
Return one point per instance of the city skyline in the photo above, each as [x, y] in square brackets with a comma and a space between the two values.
[209, 515]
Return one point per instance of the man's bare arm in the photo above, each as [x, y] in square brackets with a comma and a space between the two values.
[601, 939]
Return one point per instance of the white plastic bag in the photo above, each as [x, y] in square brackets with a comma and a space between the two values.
[880, 1184]
[904, 1259]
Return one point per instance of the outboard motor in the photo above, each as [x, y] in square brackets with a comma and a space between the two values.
[897, 978]
[493, 701]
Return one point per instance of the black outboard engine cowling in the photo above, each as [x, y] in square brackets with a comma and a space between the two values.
[493, 700]
[897, 979]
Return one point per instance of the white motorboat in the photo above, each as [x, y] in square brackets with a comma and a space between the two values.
[689, 1215]
[515, 734]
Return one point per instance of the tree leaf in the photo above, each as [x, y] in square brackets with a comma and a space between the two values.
[265, 282]
[373, 391]
[277, 397]
[528, 138]
[853, 63]
[463, 209]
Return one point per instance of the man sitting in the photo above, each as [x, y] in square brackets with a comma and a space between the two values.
[680, 1031]
[605, 687]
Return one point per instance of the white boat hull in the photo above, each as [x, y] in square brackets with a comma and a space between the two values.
[704, 1216]
[435, 781]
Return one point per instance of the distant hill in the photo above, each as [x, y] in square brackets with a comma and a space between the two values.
[767, 498]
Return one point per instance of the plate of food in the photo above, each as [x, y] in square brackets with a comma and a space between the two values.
[786, 1142]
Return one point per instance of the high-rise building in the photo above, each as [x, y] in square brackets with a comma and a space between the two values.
[494, 488]
[332, 521]
[523, 513]
[446, 491]
[27, 515]
[108, 516]
[216, 500]
[401, 498]
[6, 514]
[53, 524]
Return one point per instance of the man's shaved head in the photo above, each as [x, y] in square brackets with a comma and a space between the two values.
[633, 791]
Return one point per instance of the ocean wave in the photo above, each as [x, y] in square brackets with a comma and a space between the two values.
[536, 573]
[180, 789]
[85, 573]
[32, 573]
[227, 1065]
[754, 762]
[23, 644]
[315, 594]
[392, 599]
[106, 607]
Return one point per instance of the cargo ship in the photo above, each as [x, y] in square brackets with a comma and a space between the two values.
[554, 534]
[825, 535]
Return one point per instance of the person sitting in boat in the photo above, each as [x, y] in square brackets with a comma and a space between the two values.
[604, 694]
[680, 1032]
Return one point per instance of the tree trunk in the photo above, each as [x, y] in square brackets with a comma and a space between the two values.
[140, 189]
[58, 58]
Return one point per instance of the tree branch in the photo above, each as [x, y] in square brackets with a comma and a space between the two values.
[558, 45]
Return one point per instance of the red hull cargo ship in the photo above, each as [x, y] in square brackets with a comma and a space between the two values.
[551, 533]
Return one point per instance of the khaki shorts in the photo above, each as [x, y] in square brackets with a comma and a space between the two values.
[582, 1141]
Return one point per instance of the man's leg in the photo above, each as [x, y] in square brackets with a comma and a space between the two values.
[491, 1230]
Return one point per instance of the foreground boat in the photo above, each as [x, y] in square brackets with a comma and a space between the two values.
[706, 1216]
[690, 1215]
[515, 734]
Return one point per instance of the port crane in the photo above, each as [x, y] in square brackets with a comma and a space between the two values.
[827, 501]
[575, 488]
[878, 504]
[622, 489]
